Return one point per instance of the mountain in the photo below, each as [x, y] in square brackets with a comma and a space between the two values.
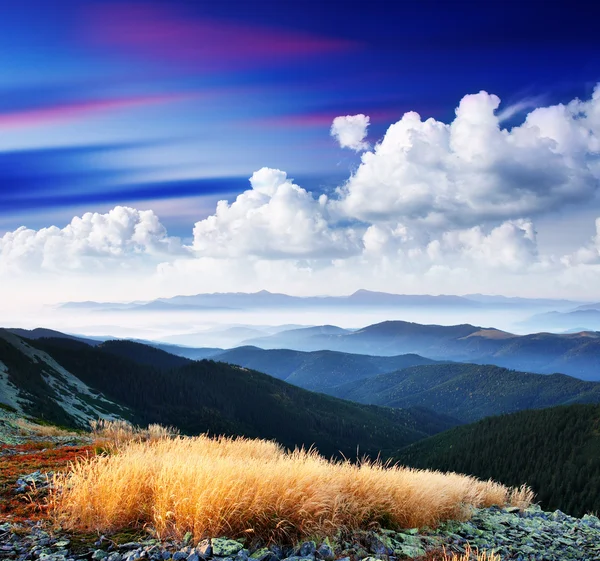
[593, 306]
[193, 353]
[359, 299]
[318, 370]
[55, 378]
[523, 302]
[144, 354]
[590, 317]
[469, 392]
[576, 354]
[34, 384]
[265, 299]
[40, 332]
[556, 451]
[293, 338]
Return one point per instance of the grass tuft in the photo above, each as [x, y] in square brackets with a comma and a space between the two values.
[114, 434]
[468, 555]
[241, 487]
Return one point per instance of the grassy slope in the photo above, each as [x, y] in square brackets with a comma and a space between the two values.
[469, 391]
[219, 398]
[556, 451]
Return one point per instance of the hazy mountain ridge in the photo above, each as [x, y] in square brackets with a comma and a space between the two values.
[360, 298]
[576, 354]
[317, 370]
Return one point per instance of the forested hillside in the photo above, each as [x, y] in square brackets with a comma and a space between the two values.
[556, 451]
[469, 391]
[218, 398]
[318, 370]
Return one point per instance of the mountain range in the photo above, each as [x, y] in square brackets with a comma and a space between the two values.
[66, 381]
[360, 299]
[409, 414]
[576, 354]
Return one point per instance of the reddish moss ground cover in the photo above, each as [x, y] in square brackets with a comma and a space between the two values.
[42, 456]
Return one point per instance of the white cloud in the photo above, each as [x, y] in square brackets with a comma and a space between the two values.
[472, 171]
[90, 242]
[587, 255]
[350, 131]
[433, 207]
[275, 219]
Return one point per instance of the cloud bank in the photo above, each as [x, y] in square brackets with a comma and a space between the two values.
[121, 238]
[432, 207]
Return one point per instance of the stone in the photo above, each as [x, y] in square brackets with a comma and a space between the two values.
[179, 556]
[306, 549]
[99, 554]
[222, 547]
[325, 552]
[204, 549]
[193, 557]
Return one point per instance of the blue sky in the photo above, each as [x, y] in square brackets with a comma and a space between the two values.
[125, 102]
[173, 105]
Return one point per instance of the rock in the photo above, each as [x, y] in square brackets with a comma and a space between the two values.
[114, 556]
[193, 557]
[222, 547]
[307, 549]
[380, 544]
[204, 549]
[260, 554]
[280, 552]
[179, 556]
[99, 554]
[325, 552]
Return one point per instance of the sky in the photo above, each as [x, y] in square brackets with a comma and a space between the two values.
[153, 148]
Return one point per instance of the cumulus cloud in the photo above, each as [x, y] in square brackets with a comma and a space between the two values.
[433, 204]
[275, 219]
[472, 171]
[350, 131]
[90, 242]
[588, 254]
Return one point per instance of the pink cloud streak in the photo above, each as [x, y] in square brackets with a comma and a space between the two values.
[160, 32]
[309, 120]
[77, 110]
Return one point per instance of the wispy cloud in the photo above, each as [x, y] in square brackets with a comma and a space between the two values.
[40, 116]
[168, 33]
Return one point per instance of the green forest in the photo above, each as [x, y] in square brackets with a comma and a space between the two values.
[556, 451]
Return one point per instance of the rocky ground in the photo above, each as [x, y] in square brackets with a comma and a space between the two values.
[27, 460]
[514, 535]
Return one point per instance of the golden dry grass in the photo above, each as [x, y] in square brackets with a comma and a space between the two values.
[28, 427]
[237, 487]
[114, 434]
[470, 555]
